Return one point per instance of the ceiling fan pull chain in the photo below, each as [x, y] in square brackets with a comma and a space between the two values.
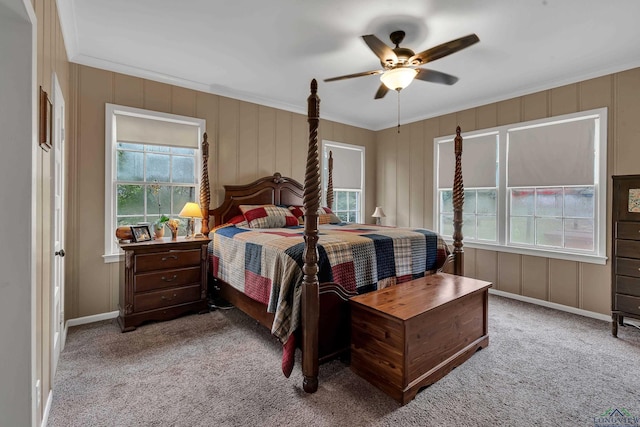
[398, 111]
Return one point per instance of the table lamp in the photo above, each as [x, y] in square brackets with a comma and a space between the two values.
[190, 210]
[377, 214]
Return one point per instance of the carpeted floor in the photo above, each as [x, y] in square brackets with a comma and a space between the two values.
[542, 368]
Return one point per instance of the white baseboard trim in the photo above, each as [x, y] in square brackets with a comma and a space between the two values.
[90, 319]
[553, 305]
[47, 409]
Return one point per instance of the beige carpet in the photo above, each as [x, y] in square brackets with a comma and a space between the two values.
[542, 367]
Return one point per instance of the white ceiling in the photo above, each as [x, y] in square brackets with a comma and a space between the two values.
[267, 51]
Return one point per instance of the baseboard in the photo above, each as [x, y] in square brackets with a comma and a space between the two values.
[47, 409]
[553, 305]
[91, 319]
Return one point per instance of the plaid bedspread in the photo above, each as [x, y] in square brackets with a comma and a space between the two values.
[266, 264]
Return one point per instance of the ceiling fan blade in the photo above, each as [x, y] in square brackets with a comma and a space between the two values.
[435, 76]
[350, 76]
[443, 50]
[384, 52]
[382, 91]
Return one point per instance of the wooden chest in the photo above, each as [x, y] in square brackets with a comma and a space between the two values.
[162, 279]
[408, 336]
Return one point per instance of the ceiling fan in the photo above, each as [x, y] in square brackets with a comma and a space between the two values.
[400, 64]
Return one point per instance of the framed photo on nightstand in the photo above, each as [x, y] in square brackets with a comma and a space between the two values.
[141, 233]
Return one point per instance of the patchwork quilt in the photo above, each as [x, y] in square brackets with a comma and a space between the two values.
[266, 264]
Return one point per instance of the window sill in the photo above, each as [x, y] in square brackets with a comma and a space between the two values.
[111, 258]
[591, 259]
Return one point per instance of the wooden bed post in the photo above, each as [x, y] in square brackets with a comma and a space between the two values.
[205, 192]
[458, 201]
[310, 284]
[330, 182]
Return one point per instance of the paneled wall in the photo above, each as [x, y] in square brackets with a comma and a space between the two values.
[405, 183]
[247, 141]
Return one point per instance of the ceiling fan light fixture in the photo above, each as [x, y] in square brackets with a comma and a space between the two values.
[398, 78]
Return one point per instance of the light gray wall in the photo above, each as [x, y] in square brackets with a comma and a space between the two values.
[17, 212]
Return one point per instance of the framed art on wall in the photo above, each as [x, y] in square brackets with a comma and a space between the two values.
[44, 123]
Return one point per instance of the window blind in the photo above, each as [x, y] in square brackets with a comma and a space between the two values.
[347, 167]
[478, 161]
[140, 130]
[557, 154]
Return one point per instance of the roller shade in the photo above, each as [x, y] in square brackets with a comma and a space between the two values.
[141, 130]
[347, 167]
[479, 165]
[558, 154]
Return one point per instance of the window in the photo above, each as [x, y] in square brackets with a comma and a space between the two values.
[535, 188]
[152, 168]
[480, 209]
[348, 179]
[346, 205]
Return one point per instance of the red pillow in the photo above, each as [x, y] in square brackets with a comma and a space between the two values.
[298, 213]
[268, 216]
[239, 221]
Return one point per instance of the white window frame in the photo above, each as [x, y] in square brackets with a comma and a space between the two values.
[326, 145]
[599, 255]
[112, 253]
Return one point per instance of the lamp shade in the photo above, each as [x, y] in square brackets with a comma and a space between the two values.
[191, 210]
[378, 213]
[398, 78]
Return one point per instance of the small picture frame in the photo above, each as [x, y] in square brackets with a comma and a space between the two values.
[634, 200]
[46, 112]
[140, 233]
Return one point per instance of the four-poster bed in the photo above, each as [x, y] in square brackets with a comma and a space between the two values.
[323, 331]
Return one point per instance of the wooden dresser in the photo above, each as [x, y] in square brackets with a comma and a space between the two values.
[625, 282]
[408, 336]
[162, 279]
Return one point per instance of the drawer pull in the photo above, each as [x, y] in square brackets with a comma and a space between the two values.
[175, 276]
[164, 258]
[168, 298]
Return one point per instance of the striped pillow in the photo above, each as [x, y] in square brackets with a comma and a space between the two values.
[268, 216]
[325, 215]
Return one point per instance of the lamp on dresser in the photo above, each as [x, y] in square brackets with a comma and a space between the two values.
[190, 210]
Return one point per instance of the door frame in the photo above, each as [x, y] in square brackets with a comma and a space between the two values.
[58, 148]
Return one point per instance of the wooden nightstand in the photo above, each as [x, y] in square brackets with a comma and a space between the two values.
[162, 279]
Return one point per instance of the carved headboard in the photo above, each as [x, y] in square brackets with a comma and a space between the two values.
[276, 189]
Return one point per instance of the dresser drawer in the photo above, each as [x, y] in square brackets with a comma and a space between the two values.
[165, 298]
[628, 267]
[628, 286]
[628, 230]
[164, 260]
[628, 248]
[166, 279]
[628, 304]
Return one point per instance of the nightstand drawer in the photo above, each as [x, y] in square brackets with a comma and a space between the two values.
[165, 260]
[628, 286]
[628, 230]
[159, 299]
[628, 304]
[628, 267]
[166, 279]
